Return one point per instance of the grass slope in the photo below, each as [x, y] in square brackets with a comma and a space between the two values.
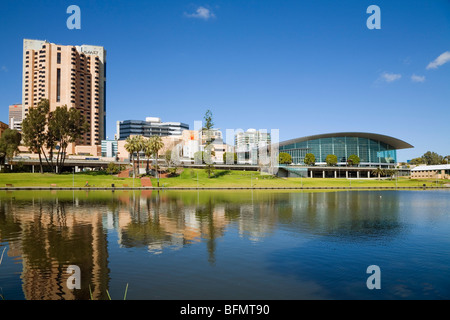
[198, 178]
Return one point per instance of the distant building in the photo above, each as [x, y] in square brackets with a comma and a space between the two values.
[431, 172]
[152, 126]
[109, 148]
[3, 127]
[15, 117]
[248, 143]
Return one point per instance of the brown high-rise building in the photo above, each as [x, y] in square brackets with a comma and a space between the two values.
[67, 75]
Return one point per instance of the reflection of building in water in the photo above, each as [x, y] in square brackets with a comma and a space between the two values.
[161, 221]
[53, 236]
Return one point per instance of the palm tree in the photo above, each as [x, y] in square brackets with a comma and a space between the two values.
[147, 148]
[130, 147]
[139, 146]
[156, 144]
[378, 172]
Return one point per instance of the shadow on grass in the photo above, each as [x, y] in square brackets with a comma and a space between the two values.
[220, 174]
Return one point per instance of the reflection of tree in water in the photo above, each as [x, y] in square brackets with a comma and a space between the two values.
[205, 215]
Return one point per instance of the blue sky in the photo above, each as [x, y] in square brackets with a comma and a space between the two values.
[303, 67]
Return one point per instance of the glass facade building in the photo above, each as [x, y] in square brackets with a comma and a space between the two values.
[149, 128]
[372, 149]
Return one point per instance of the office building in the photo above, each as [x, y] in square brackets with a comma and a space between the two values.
[152, 126]
[248, 143]
[67, 75]
[15, 116]
[109, 148]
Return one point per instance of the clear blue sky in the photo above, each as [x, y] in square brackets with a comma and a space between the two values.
[303, 67]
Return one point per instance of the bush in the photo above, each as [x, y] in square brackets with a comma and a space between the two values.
[284, 158]
[310, 159]
[331, 160]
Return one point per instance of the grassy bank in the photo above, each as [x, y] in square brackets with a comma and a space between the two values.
[65, 180]
[223, 178]
[193, 178]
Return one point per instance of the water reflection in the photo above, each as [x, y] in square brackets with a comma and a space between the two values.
[47, 232]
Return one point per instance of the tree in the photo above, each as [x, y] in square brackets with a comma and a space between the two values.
[446, 160]
[310, 159]
[207, 130]
[112, 168]
[139, 142]
[331, 160]
[156, 144]
[148, 152]
[130, 146]
[199, 157]
[52, 131]
[432, 158]
[390, 172]
[284, 158]
[417, 161]
[9, 144]
[225, 154]
[353, 160]
[378, 172]
[168, 158]
[33, 129]
[64, 126]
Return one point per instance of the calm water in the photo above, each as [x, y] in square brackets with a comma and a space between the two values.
[225, 245]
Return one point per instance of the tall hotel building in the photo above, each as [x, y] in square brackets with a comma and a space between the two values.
[67, 75]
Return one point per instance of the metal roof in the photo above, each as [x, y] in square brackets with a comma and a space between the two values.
[394, 142]
[432, 168]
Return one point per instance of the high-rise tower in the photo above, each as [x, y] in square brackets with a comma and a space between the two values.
[67, 75]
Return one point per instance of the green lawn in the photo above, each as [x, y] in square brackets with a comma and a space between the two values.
[223, 178]
[64, 180]
[198, 178]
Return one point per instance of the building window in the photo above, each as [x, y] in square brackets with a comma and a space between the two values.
[58, 85]
[58, 58]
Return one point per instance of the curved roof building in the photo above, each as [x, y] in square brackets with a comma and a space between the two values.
[372, 149]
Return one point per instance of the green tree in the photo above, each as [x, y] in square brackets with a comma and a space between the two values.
[432, 158]
[156, 144]
[33, 130]
[139, 142]
[199, 157]
[310, 159]
[131, 148]
[64, 126]
[390, 173]
[207, 131]
[225, 154]
[112, 168]
[331, 160]
[284, 158]
[417, 161]
[9, 144]
[168, 158]
[353, 160]
[378, 172]
[148, 152]
[54, 130]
